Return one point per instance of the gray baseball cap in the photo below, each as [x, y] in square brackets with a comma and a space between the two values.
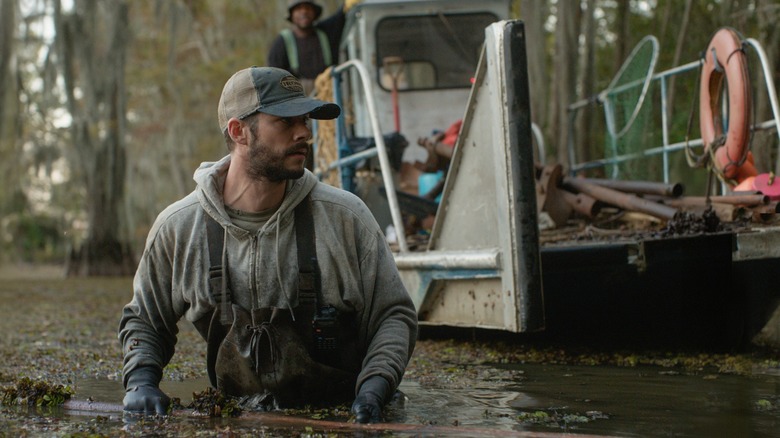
[272, 91]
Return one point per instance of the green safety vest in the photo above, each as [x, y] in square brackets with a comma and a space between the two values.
[292, 48]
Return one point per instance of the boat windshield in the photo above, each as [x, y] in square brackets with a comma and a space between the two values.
[430, 51]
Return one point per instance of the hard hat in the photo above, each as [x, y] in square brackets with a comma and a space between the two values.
[292, 4]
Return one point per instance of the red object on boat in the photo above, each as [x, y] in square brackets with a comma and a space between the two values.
[768, 184]
[725, 59]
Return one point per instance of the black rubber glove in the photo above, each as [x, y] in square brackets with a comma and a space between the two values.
[372, 396]
[142, 395]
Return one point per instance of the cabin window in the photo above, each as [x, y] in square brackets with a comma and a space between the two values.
[430, 51]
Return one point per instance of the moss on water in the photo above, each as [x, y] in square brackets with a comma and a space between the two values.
[63, 330]
[212, 403]
[35, 393]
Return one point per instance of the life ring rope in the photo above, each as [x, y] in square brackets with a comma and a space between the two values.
[720, 141]
[726, 153]
[694, 160]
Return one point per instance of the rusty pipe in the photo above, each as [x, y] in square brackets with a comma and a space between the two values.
[764, 213]
[749, 200]
[746, 200]
[581, 203]
[639, 187]
[625, 201]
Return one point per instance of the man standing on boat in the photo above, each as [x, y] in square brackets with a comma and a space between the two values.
[308, 47]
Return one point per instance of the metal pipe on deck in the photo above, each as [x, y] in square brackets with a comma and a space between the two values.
[639, 187]
[746, 200]
[620, 199]
[581, 203]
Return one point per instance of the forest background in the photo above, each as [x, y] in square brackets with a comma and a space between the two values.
[108, 106]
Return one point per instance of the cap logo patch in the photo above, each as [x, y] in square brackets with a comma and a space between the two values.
[291, 83]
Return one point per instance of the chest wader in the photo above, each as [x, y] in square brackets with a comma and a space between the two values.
[309, 359]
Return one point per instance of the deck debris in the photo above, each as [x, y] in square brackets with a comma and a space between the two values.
[616, 201]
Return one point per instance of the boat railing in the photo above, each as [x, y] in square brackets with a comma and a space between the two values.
[667, 146]
[380, 149]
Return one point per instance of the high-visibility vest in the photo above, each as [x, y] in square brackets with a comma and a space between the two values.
[292, 49]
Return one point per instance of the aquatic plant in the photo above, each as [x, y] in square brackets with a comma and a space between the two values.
[554, 418]
[35, 393]
[213, 403]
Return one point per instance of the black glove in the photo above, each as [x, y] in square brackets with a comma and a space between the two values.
[142, 395]
[372, 396]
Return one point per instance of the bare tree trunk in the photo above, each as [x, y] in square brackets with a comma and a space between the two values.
[7, 27]
[665, 22]
[623, 32]
[10, 112]
[587, 85]
[534, 14]
[94, 63]
[9, 101]
[564, 75]
[726, 9]
[681, 38]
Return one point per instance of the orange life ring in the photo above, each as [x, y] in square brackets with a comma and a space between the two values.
[725, 59]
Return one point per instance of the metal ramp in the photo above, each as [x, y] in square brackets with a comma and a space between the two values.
[482, 267]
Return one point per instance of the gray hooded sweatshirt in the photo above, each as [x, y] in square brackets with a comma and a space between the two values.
[358, 273]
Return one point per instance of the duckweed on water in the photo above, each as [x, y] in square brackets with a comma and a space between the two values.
[768, 405]
[337, 413]
[213, 403]
[558, 419]
[35, 393]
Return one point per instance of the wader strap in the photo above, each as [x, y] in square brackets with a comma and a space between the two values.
[291, 47]
[217, 278]
[308, 269]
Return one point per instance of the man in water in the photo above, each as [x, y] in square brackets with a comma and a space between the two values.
[290, 281]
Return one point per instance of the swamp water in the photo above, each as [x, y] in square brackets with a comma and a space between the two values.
[64, 331]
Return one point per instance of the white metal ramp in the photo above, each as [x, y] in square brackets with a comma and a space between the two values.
[482, 266]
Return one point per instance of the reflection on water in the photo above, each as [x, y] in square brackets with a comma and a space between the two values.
[602, 400]
[488, 408]
[111, 391]
[655, 401]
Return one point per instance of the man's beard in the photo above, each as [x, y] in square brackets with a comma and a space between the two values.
[264, 164]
